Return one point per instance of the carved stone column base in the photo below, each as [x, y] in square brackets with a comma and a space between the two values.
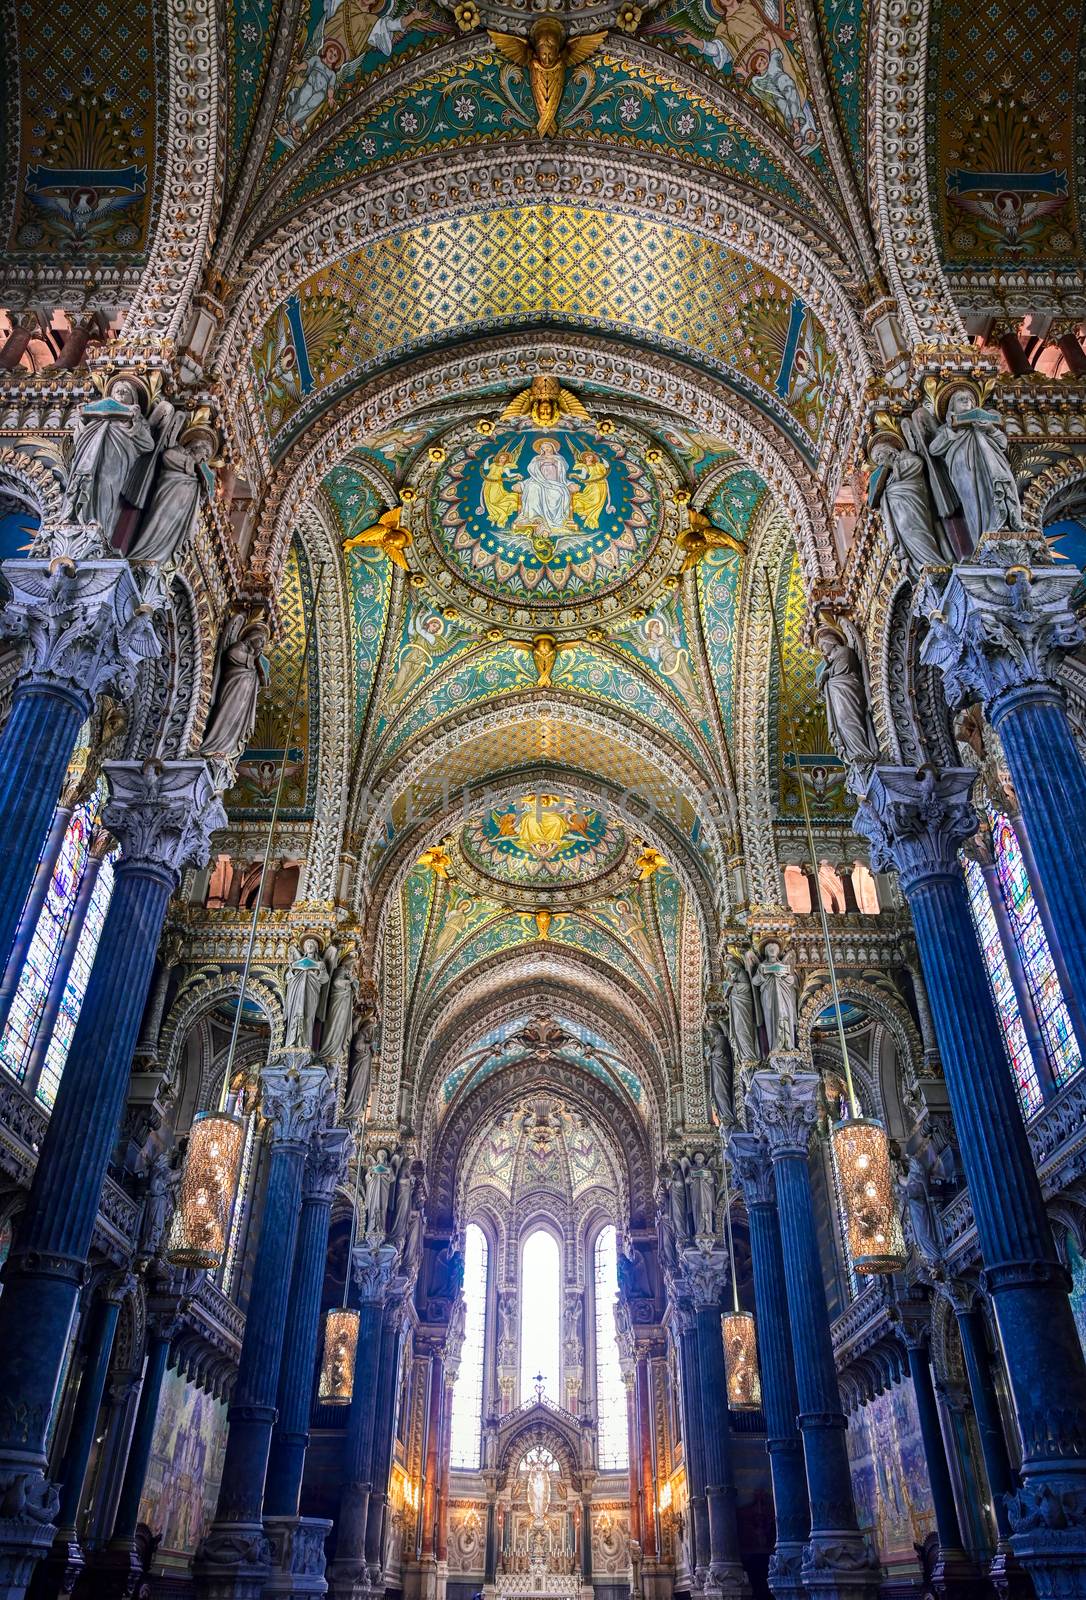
[657, 1582]
[297, 1556]
[28, 1503]
[233, 1562]
[59, 1572]
[840, 1567]
[117, 1572]
[957, 1577]
[786, 1571]
[725, 1580]
[1055, 1560]
[349, 1580]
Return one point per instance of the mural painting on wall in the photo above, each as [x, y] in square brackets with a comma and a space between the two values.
[187, 1453]
[893, 1503]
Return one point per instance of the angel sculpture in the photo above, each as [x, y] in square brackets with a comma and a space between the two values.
[438, 859]
[307, 975]
[241, 672]
[544, 402]
[544, 650]
[546, 56]
[387, 534]
[648, 862]
[700, 537]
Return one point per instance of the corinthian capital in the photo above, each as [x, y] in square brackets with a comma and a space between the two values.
[999, 624]
[372, 1268]
[326, 1162]
[753, 1166]
[162, 813]
[83, 627]
[702, 1278]
[295, 1097]
[916, 820]
[783, 1111]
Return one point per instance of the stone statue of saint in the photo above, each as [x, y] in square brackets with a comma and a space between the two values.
[701, 1190]
[742, 1018]
[665, 1227]
[241, 674]
[163, 1181]
[337, 1010]
[840, 682]
[111, 437]
[899, 488]
[925, 1229]
[677, 1200]
[401, 1202]
[720, 1073]
[183, 476]
[633, 1276]
[447, 1272]
[974, 446]
[571, 1332]
[379, 1177]
[363, 1050]
[307, 975]
[776, 984]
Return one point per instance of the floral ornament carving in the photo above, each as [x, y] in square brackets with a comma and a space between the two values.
[783, 1110]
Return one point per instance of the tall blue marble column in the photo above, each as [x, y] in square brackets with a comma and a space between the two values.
[684, 1323]
[83, 627]
[388, 1390]
[325, 1164]
[162, 814]
[754, 1169]
[996, 634]
[837, 1563]
[373, 1268]
[916, 821]
[701, 1281]
[234, 1559]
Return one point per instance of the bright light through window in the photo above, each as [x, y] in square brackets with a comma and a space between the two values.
[540, 1315]
[610, 1390]
[467, 1407]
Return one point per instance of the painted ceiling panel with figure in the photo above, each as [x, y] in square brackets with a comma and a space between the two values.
[609, 100]
[253, 794]
[83, 155]
[356, 505]
[1007, 144]
[539, 264]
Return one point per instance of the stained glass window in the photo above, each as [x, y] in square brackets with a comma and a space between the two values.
[610, 1390]
[466, 1429]
[540, 1315]
[1006, 1001]
[45, 953]
[1061, 1046]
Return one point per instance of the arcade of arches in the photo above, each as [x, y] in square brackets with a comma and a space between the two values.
[542, 728]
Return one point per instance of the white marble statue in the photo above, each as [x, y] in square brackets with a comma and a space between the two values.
[337, 1010]
[183, 477]
[111, 437]
[241, 674]
[701, 1192]
[840, 682]
[307, 976]
[742, 1015]
[379, 1180]
[899, 489]
[363, 1050]
[776, 984]
[974, 446]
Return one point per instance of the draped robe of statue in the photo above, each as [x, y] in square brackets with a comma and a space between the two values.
[306, 978]
[742, 1018]
[242, 674]
[776, 983]
[339, 1004]
[974, 447]
[841, 685]
[378, 1188]
[111, 437]
[170, 519]
[899, 488]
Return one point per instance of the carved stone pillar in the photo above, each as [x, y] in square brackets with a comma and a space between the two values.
[388, 1388]
[915, 822]
[837, 1563]
[996, 634]
[754, 1170]
[234, 1557]
[84, 628]
[162, 816]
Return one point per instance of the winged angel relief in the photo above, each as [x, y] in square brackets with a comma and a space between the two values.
[546, 56]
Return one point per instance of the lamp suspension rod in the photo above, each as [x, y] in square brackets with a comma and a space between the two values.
[247, 966]
[816, 888]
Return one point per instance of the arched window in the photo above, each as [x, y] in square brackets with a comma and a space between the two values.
[1026, 952]
[540, 1315]
[610, 1389]
[1060, 1044]
[466, 1429]
[57, 968]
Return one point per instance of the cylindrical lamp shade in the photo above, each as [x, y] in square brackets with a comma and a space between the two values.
[337, 1363]
[741, 1361]
[861, 1151]
[209, 1181]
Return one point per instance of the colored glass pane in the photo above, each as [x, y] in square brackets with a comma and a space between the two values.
[1006, 1001]
[76, 986]
[1061, 1046]
[610, 1390]
[467, 1407]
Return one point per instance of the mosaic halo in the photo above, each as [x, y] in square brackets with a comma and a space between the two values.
[546, 530]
